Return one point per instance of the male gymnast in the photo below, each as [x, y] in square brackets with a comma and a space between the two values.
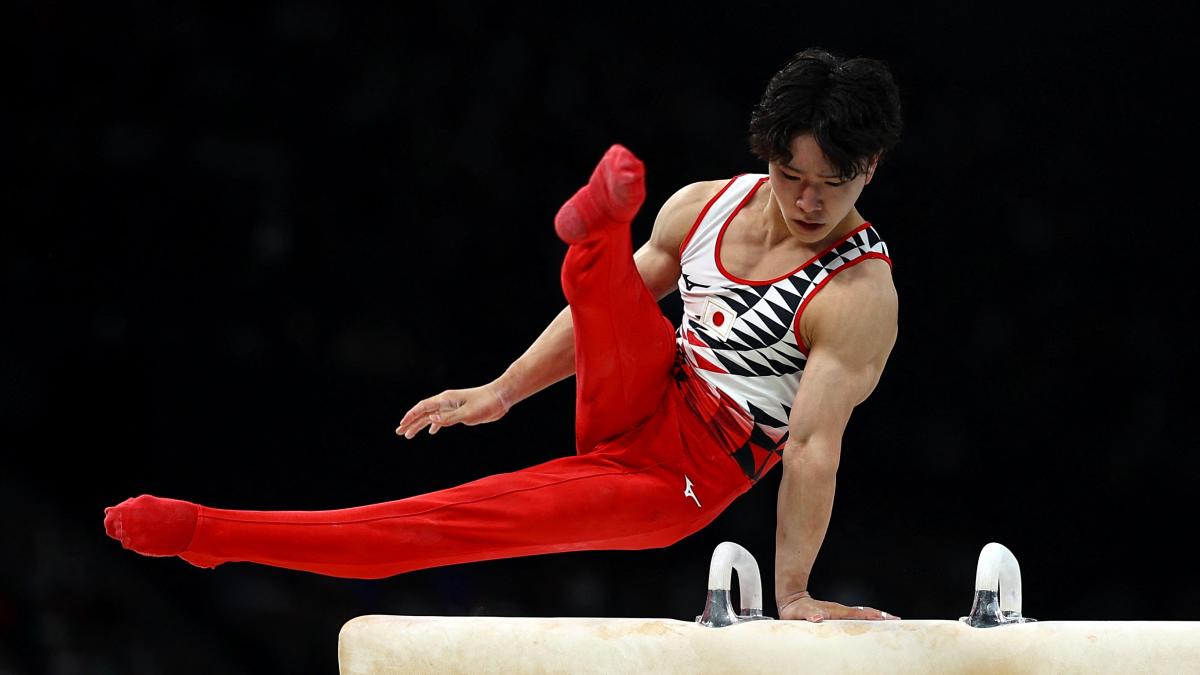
[790, 314]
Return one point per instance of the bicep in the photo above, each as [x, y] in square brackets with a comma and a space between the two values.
[658, 259]
[830, 388]
[659, 269]
[852, 339]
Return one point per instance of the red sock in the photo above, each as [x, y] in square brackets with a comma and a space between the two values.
[611, 198]
[152, 525]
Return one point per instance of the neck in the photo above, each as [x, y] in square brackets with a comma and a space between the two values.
[779, 233]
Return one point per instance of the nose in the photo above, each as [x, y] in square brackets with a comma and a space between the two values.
[808, 201]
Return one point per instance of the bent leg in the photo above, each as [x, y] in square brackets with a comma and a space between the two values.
[624, 346]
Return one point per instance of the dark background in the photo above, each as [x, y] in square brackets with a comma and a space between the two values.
[240, 243]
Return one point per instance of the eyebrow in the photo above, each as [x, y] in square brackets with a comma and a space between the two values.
[822, 175]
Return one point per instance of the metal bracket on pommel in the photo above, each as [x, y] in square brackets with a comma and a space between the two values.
[997, 590]
[718, 608]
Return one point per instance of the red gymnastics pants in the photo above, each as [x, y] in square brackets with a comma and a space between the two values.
[652, 461]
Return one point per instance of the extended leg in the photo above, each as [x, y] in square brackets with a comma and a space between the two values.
[624, 346]
[627, 495]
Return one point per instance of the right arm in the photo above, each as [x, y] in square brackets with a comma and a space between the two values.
[551, 357]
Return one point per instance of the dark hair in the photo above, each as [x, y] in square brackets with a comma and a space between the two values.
[850, 106]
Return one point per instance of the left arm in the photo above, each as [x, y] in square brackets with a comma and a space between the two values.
[850, 328]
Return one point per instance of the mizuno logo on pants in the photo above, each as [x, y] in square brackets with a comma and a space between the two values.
[687, 491]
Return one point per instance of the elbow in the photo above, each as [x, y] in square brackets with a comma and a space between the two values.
[811, 458]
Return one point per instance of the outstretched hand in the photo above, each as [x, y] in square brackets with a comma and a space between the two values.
[803, 607]
[477, 405]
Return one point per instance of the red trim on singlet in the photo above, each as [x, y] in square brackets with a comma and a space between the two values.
[704, 212]
[725, 225]
[811, 294]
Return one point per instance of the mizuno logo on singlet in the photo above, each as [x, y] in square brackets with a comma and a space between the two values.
[687, 491]
[691, 284]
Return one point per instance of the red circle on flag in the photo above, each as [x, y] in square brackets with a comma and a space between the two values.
[718, 318]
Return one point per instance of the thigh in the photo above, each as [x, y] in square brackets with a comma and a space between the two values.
[624, 345]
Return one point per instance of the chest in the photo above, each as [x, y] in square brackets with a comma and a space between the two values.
[744, 251]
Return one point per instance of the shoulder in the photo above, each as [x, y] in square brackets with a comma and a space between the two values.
[870, 276]
[857, 311]
[691, 198]
[679, 212]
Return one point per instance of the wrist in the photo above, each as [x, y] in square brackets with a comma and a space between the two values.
[783, 599]
[506, 391]
[792, 583]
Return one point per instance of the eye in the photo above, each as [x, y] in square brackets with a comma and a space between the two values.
[826, 182]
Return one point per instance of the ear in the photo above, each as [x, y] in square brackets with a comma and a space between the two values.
[871, 170]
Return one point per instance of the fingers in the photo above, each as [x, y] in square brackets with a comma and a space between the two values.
[417, 418]
[431, 420]
[416, 412]
[436, 412]
[413, 427]
[816, 611]
[870, 614]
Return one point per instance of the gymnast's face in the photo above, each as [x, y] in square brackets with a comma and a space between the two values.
[810, 200]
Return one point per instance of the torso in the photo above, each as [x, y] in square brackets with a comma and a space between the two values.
[751, 305]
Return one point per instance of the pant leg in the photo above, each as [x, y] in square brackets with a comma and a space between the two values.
[638, 490]
[624, 346]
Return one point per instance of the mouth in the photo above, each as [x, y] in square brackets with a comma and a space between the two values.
[807, 225]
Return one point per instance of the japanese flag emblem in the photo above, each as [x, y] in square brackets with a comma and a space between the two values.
[718, 317]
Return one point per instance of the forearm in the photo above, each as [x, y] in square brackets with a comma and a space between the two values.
[550, 359]
[805, 504]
